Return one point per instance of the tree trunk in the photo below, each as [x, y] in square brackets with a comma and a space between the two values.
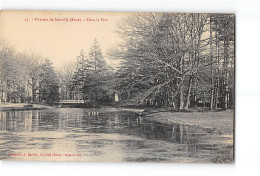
[211, 67]
[188, 94]
[217, 72]
[33, 90]
[181, 97]
[226, 45]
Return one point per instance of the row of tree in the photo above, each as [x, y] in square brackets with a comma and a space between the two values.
[91, 78]
[31, 78]
[178, 60]
[167, 60]
[26, 77]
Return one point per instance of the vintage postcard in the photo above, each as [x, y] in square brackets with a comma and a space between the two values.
[117, 86]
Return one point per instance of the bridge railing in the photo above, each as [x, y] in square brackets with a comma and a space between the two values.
[71, 101]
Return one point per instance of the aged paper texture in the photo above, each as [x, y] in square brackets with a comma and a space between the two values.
[117, 86]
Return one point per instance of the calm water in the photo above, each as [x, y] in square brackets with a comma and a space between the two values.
[99, 135]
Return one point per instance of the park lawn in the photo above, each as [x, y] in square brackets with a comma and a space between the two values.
[218, 122]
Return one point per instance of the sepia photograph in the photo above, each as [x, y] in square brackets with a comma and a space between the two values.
[117, 86]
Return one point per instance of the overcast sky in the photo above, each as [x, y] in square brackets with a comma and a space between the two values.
[60, 41]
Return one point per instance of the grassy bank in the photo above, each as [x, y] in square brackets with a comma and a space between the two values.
[220, 122]
[21, 106]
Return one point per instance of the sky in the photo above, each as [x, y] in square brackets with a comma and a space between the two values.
[62, 39]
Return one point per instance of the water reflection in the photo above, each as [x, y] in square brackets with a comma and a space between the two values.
[99, 135]
[16, 121]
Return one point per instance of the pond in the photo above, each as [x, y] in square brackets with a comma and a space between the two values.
[106, 134]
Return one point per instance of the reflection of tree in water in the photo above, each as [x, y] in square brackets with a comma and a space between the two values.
[18, 121]
[95, 121]
[131, 124]
[143, 133]
[69, 120]
[29, 121]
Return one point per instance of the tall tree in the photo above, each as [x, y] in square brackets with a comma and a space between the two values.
[80, 76]
[48, 85]
[66, 73]
[91, 75]
[97, 74]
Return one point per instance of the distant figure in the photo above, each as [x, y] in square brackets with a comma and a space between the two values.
[116, 97]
